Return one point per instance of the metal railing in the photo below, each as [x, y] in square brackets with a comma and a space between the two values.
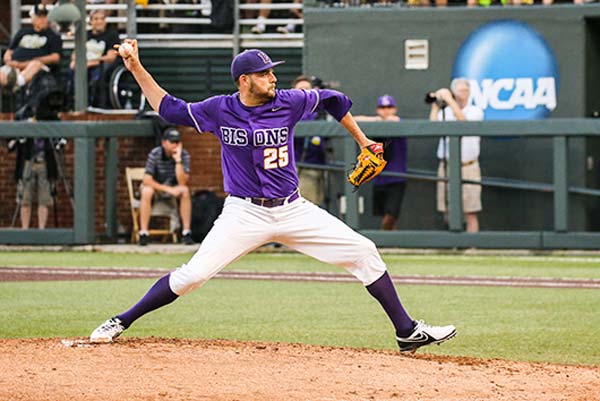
[156, 14]
[560, 130]
[84, 135]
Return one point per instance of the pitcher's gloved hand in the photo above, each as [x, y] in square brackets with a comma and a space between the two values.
[370, 163]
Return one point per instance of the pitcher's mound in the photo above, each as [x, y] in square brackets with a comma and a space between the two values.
[175, 369]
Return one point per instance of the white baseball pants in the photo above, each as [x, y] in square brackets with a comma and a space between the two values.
[300, 225]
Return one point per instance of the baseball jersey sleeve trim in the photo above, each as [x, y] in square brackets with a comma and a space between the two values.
[335, 103]
[189, 109]
[316, 102]
[175, 111]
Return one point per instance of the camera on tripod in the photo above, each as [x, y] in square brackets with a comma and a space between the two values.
[318, 83]
[46, 99]
[431, 97]
[59, 143]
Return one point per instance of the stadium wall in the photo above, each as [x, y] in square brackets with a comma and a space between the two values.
[370, 61]
[132, 152]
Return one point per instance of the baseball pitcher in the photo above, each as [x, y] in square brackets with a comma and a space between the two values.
[256, 129]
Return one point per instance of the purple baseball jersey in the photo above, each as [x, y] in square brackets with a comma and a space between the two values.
[257, 143]
[396, 155]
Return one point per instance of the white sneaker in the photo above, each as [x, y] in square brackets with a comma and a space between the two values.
[107, 331]
[424, 334]
[289, 28]
[259, 28]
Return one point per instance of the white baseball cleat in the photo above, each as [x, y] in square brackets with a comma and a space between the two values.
[108, 331]
[424, 334]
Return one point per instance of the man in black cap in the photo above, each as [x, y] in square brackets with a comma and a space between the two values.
[32, 50]
[167, 173]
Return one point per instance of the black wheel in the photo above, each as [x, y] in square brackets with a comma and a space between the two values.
[124, 91]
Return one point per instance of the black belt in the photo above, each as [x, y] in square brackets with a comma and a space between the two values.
[270, 202]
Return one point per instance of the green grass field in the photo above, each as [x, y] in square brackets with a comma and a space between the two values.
[552, 325]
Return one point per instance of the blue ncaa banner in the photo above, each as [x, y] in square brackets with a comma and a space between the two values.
[512, 71]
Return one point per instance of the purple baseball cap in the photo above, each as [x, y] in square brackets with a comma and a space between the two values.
[250, 61]
[386, 101]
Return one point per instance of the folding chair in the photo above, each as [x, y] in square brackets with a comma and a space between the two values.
[163, 209]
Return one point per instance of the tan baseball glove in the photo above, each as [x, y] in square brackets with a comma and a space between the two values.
[370, 163]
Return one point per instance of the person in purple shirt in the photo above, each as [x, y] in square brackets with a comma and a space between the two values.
[256, 129]
[310, 149]
[388, 192]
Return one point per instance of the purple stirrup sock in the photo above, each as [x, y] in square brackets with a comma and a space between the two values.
[383, 290]
[159, 295]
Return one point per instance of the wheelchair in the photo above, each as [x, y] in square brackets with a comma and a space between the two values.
[124, 92]
[110, 86]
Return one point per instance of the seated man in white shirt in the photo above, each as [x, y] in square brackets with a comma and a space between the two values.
[459, 109]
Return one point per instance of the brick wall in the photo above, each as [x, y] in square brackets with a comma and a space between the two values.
[205, 174]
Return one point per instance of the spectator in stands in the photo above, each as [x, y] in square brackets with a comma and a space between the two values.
[100, 56]
[487, 3]
[34, 170]
[521, 2]
[290, 27]
[388, 192]
[310, 149]
[545, 2]
[263, 14]
[455, 106]
[32, 50]
[167, 173]
[427, 3]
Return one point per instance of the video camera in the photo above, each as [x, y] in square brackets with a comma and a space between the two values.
[318, 83]
[430, 98]
[44, 101]
[47, 99]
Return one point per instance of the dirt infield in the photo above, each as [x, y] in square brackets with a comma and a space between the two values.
[178, 369]
[166, 369]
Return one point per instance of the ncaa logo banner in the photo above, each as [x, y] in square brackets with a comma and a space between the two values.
[512, 71]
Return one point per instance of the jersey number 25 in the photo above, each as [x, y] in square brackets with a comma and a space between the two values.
[276, 157]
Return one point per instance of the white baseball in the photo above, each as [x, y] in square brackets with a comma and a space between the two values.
[125, 50]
